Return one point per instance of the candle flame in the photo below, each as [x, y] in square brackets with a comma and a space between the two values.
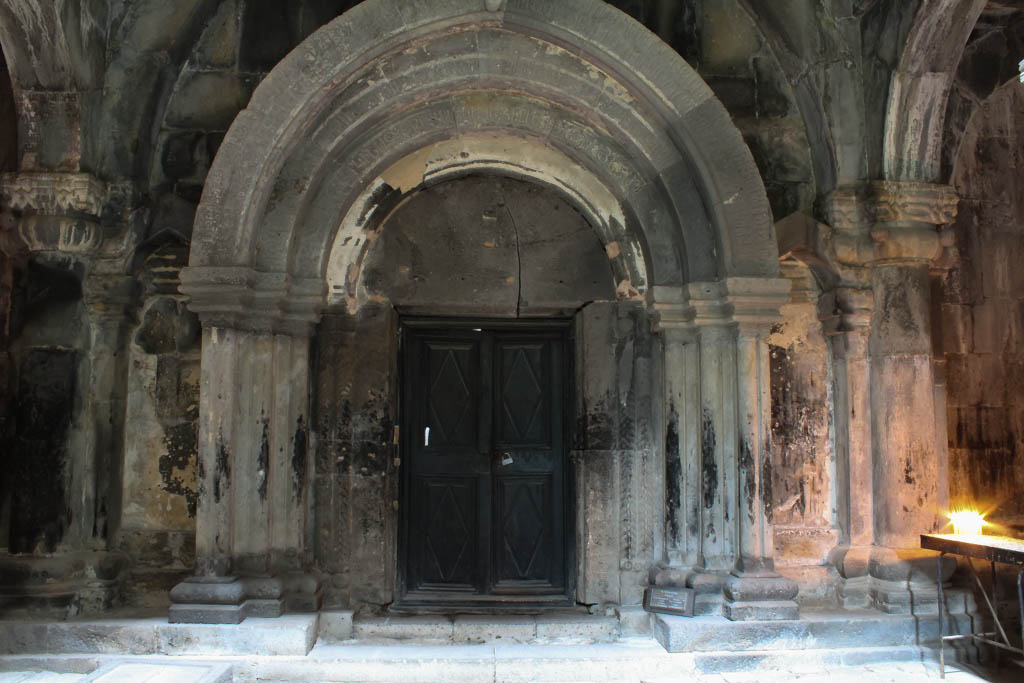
[967, 522]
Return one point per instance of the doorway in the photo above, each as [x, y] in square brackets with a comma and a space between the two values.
[483, 503]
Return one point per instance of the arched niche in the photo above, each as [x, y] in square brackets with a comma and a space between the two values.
[393, 96]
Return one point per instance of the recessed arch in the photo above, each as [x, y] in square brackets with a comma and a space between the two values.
[390, 79]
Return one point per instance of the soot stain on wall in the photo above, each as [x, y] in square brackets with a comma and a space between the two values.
[46, 390]
[263, 463]
[299, 451]
[709, 469]
[222, 470]
[673, 473]
[181, 442]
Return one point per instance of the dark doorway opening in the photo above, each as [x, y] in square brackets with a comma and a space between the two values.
[484, 507]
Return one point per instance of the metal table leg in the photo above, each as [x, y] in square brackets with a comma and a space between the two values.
[942, 617]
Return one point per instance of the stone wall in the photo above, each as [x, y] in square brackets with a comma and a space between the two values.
[160, 491]
[803, 461]
[983, 312]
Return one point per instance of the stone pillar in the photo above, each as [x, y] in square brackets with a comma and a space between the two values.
[755, 590]
[57, 221]
[887, 235]
[98, 425]
[252, 515]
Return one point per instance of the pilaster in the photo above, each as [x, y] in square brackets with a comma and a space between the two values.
[717, 403]
[251, 527]
[754, 590]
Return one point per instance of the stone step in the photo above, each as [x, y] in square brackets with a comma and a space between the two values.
[162, 672]
[814, 630]
[629, 659]
[557, 627]
[291, 634]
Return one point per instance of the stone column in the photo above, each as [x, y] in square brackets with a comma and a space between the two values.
[754, 590]
[846, 318]
[251, 526]
[98, 425]
[887, 235]
[57, 223]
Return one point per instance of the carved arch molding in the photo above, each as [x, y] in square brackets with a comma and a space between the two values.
[394, 94]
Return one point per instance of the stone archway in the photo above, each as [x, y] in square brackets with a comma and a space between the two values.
[573, 94]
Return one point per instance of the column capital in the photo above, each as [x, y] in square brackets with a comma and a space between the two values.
[889, 221]
[54, 194]
[59, 211]
[244, 299]
[749, 303]
[757, 302]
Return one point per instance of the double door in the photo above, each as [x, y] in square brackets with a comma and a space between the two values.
[484, 492]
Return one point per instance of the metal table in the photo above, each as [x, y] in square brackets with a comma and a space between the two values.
[1002, 549]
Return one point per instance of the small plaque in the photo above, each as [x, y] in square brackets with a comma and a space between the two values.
[666, 600]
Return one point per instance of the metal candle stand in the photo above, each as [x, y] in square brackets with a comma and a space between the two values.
[993, 549]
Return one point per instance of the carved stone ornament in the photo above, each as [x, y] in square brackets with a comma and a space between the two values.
[887, 201]
[54, 194]
[906, 202]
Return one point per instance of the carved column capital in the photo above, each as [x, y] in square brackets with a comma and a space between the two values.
[757, 302]
[55, 194]
[889, 221]
[59, 211]
[241, 298]
[671, 312]
[751, 304]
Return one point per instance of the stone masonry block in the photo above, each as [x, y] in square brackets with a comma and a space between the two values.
[957, 328]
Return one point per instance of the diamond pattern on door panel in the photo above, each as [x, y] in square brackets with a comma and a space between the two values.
[448, 534]
[522, 399]
[523, 529]
[449, 401]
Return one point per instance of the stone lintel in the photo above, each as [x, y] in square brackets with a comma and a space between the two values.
[244, 299]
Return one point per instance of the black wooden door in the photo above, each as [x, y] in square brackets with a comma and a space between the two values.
[484, 493]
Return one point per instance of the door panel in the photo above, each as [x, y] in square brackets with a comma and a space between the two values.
[484, 497]
[447, 548]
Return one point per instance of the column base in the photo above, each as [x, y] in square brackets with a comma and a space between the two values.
[851, 563]
[62, 585]
[760, 597]
[229, 600]
[903, 580]
[707, 592]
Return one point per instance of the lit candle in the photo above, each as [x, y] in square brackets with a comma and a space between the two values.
[967, 522]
